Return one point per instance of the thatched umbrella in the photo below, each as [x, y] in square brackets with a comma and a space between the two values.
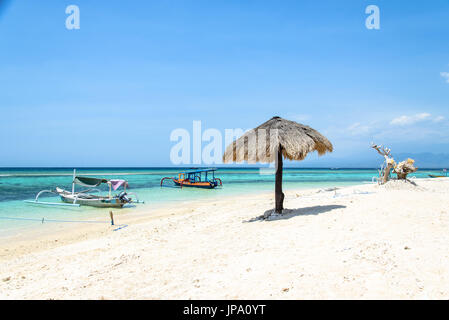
[273, 139]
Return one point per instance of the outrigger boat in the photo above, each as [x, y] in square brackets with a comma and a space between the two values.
[443, 175]
[88, 199]
[203, 178]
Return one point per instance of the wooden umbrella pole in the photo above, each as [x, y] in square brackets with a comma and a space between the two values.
[279, 195]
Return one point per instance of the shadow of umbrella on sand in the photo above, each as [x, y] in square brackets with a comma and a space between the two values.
[274, 140]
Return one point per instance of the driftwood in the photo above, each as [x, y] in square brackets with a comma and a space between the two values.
[402, 169]
[384, 173]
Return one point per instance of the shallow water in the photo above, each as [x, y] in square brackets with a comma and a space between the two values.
[18, 184]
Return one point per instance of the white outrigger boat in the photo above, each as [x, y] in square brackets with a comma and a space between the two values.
[85, 197]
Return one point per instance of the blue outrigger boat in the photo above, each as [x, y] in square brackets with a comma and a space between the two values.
[201, 178]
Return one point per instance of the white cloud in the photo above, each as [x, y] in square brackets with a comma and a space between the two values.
[358, 129]
[408, 120]
[426, 130]
[445, 75]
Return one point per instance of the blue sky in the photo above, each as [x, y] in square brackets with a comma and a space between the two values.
[110, 93]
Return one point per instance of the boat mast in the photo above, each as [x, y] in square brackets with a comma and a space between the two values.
[73, 182]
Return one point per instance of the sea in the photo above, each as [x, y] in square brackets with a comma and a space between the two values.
[19, 184]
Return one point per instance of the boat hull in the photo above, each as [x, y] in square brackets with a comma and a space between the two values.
[201, 185]
[88, 200]
[434, 176]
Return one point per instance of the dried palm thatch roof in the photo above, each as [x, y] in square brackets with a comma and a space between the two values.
[261, 144]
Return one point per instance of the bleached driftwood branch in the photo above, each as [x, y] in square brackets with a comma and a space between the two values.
[386, 152]
[384, 174]
[402, 169]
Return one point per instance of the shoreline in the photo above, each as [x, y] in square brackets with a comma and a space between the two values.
[55, 234]
[363, 241]
[67, 233]
[14, 208]
[52, 227]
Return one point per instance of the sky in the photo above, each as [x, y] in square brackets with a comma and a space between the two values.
[111, 92]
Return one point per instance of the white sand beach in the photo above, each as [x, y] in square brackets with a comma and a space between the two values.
[360, 242]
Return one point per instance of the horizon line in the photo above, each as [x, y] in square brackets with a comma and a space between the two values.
[192, 167]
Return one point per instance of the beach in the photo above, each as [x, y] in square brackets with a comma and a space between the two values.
[356, 242]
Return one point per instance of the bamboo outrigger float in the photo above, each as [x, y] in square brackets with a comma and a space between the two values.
[86, 198]
[203, 178]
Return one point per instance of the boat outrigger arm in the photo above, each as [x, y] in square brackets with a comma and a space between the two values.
[85, 198]
[36, 200]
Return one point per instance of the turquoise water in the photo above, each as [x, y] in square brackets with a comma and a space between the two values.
[21, 184]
